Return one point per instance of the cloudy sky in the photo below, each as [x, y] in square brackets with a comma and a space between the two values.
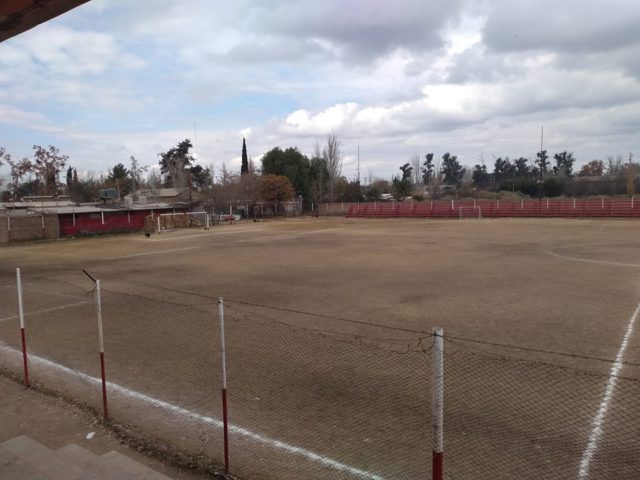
[112, 79]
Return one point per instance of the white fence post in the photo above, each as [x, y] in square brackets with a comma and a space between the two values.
[437, 403]
[103, 375]
[23, 336]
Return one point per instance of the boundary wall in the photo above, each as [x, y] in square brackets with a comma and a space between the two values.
[564, 208]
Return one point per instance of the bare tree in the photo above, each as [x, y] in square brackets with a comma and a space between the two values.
[333, 156]
[615, 165]
[47, 166]
[417, 173]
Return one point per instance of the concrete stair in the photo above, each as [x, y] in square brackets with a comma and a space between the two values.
[22, 458]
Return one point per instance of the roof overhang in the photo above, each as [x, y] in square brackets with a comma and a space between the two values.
[17, 16]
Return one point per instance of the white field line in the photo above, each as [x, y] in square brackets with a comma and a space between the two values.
[588, 260]
[256, 437]
[217, 244]
[53, 309]
[195, 235]
[26, 289]
[598, 421]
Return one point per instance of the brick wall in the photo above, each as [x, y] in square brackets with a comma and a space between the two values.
[28, 227]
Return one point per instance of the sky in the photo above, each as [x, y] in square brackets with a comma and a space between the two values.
[478, 79]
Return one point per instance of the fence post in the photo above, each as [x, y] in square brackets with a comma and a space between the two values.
[437, 403]
[225, 419]
[22, 332]
[103, 375]
[158, 217]
[574, 202]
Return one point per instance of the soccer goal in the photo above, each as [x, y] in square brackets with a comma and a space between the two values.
[172, 221]
[470, 212]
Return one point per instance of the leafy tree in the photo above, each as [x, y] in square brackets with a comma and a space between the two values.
[291, 164]
[542, 162]
[427, 169]
[200, 177]
[480, 177]
[452, 171]
[595, 168]
[118, 173]
[119, 177]
[521, 167]
[276, 188]
[47, 166]
[245, 160]
[503, 169]
[402, 186]
[175, 164]
[564, 164]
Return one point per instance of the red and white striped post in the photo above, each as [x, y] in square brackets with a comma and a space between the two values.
[22, 333]
[223, 354]
[105, 410]
[437, 403]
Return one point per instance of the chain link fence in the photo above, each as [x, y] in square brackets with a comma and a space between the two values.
[309, 399]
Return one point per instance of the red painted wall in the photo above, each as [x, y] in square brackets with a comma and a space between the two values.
[114, 221]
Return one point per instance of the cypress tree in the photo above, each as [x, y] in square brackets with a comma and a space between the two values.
[245, 160]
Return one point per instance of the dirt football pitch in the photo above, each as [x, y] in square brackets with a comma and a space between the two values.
[560, 296]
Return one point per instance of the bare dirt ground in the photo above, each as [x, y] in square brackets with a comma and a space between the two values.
[541, 300]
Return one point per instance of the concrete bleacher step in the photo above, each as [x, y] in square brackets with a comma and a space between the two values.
[13, 468]
[92, 466]
[22, 458]
[137, 470]
[40, 458]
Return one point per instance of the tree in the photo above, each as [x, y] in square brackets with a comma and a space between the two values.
[333, 156]
[292, 164]
[615, 165]
[564, 164]
[3, 156]
[452, 170]
[245, 160]
[175, 164]
[402, 186]
[427, 169]
[119, 178]
[136, 175]
[47, 166]
[200, 177]
[480, 177]
[521, 167]
[18, 169]
[542, 162]
[417, 174]
[595, 168]
[275, 189]
[503, 170]
[319, 178]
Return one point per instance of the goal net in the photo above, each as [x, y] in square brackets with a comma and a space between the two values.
[172, 221]
[470, 212]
